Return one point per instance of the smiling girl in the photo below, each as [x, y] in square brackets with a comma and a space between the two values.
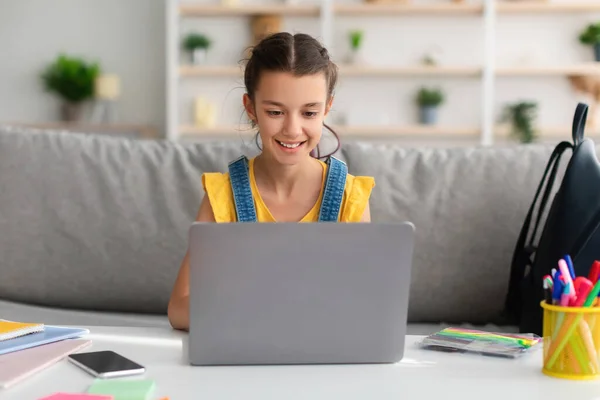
[290, 82]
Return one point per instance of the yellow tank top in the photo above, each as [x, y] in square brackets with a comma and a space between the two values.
[217, 187]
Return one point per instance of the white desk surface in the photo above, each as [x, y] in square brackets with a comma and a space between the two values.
[420, 375]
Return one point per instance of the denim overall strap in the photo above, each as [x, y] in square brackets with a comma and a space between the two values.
[242, 194]
[334, 190]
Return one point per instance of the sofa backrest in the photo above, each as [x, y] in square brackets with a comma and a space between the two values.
[98, 222]
[101, 223]
[468, 206]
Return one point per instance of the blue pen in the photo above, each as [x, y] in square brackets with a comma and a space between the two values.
[557, 288]
[570, 265]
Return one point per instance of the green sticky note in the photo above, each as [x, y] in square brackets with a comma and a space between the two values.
[123, 389]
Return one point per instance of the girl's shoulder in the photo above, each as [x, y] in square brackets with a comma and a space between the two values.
[217, 187]
[357, 193]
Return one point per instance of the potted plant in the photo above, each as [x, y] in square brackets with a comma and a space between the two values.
[72, 79]
[197, 45]
[428, 100]
[521, 116]
[356, 40]
[591, 37]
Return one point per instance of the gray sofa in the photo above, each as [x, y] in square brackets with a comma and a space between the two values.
[93, 228]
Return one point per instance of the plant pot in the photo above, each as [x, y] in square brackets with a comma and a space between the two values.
[70, 112]
[597, 51]
[356, 57]
[199, 56]
[428, 115]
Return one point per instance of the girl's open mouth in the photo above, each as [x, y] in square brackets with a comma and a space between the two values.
[290, 146]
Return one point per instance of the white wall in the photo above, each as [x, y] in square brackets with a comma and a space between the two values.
[126, 36]
[545, 39]
[542, 40]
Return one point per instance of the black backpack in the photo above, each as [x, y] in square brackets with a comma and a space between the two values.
[572, 227]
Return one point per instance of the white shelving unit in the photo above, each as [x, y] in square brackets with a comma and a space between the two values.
[327, 12]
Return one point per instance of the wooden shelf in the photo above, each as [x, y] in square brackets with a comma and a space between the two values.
[367, 70]
[343, 130]
[203, 10]
[222, 130]
[545, 7]
[549, 132]
[345, 70]
[210, 70]
[406, 131]
[585, 69]
[395, 9]
[144, 131]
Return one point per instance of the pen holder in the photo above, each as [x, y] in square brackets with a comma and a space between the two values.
[571, 337]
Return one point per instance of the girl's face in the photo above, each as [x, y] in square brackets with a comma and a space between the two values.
[289, 111]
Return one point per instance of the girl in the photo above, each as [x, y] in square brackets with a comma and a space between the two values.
[289, 82]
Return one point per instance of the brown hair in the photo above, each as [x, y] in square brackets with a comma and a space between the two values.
[300, 54]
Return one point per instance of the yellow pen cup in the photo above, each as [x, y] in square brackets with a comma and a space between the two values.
[571, 337]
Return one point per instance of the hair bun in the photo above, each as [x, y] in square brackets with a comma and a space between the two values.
[324, 53]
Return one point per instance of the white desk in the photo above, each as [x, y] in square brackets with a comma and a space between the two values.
[421, 375]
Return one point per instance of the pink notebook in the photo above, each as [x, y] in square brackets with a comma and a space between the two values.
[74, 396]
[19, 365]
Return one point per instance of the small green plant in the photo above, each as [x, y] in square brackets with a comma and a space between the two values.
[430, 97]
[71, 78]
[195, 41]
[356, 38]
[591, 35]
[521, 116]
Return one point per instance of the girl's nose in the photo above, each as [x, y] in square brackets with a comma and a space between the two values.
[293, 126]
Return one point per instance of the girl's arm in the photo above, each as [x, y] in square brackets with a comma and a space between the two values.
[366, 217]
[179, 303]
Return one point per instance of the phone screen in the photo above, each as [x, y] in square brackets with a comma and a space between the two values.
[106, 362]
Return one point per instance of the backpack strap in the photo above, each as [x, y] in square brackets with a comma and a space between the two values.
[333, 193]
[579, 123]
[523, 253]
[242, 193]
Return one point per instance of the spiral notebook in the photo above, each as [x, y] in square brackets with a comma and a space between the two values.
[50, 334]
[11, 329]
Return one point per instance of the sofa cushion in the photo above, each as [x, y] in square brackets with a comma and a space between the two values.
[468, 206]
[96, 222]
[101, 223]
[74, 317]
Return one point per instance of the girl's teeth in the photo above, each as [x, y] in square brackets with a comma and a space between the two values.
[290, 146]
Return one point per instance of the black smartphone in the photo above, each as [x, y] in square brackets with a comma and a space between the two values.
[106, 364]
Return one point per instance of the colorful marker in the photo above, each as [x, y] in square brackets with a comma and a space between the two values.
[564, 271]
[570, 265]
[594, 271]
[549, 281]
[566, 295]
[585, 286]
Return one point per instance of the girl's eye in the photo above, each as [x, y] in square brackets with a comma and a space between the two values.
[274, 113]
[311, 113]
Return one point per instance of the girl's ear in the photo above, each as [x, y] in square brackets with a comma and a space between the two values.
[249, 107]
[328, 105]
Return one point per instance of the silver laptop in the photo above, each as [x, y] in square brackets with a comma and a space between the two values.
[299, 293]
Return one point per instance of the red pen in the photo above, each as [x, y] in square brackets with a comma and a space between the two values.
[594, 271]
[585, 287]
